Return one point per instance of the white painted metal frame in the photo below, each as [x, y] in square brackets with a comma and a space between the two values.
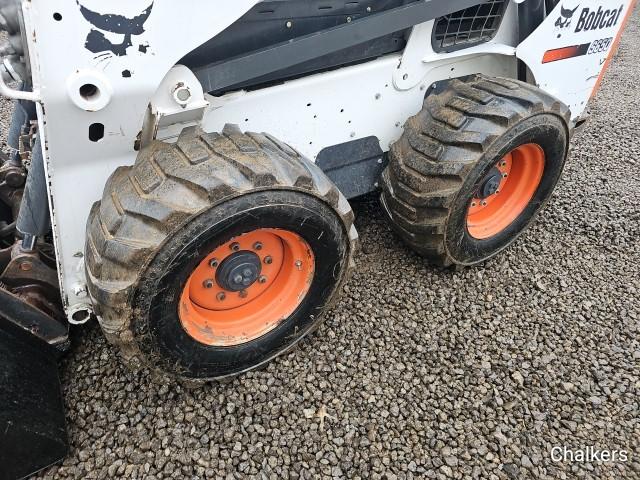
[77, 168]
[371, 99]
[144, 94]
[572, 80]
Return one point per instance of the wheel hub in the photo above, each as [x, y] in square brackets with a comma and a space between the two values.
[505, 191]
[490, 184]
[239, 271]
[246, 287]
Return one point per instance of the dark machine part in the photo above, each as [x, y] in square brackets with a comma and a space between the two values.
[33, 328]
[12, 180]
[33, 219]
[33, 320]
[239, 271]
[275, 21]
[489, 184]
[531, 13]
[28, 273]
[23, 114]
[354, 167]
[550, 5]
[244, 68]
[30, 278]
[12, 172]
[33, 434]
[468, 27]
[15, 64]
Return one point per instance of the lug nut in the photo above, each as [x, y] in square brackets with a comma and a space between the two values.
[207, 283]
[243, 294]
[221, 296]
[473, 204]
[213, 263]
[504, 175]
[484, 204]
[257, 246]
[268, 260]
[298, 264]
[262, 279]
[235, 246]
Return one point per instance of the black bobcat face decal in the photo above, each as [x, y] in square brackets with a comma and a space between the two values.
[118, 24]
[566, 15]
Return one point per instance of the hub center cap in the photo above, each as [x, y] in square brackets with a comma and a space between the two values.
[239, 271]
[490, 183]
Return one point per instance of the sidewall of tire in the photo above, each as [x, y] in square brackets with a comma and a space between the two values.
[156, 324]
[549, 132]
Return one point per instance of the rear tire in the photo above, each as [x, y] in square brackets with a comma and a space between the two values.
[444, 162]
[161, 220]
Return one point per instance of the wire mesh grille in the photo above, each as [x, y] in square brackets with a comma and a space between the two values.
[468, 27]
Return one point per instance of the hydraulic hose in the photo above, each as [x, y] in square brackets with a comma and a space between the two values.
[33, 217]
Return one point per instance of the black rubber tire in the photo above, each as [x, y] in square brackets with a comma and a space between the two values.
[159, 218]
[448, 148]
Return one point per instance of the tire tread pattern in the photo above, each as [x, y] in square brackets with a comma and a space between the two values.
[440, 145]
[168, 185]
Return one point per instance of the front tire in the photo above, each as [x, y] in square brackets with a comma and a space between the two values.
[474, 167]
[212, 256]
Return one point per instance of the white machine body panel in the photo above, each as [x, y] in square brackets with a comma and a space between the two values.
[127, 78]
[569, 51]
[131, 86]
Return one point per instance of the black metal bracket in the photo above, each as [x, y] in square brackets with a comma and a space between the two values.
[355, 167]
[284, 55]
[29, 318]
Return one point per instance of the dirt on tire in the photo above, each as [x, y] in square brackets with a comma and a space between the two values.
[170, 184]
[453, 133]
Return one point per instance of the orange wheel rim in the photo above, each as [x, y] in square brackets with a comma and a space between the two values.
[505, 191]
[246, 287]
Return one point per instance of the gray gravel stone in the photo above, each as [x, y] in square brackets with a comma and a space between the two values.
[495, 365]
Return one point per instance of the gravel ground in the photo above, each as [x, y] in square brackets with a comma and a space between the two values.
[420, 372]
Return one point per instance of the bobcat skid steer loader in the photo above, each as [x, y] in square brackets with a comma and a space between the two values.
[180, 170]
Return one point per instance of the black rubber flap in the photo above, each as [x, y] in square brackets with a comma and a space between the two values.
[33, 434]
